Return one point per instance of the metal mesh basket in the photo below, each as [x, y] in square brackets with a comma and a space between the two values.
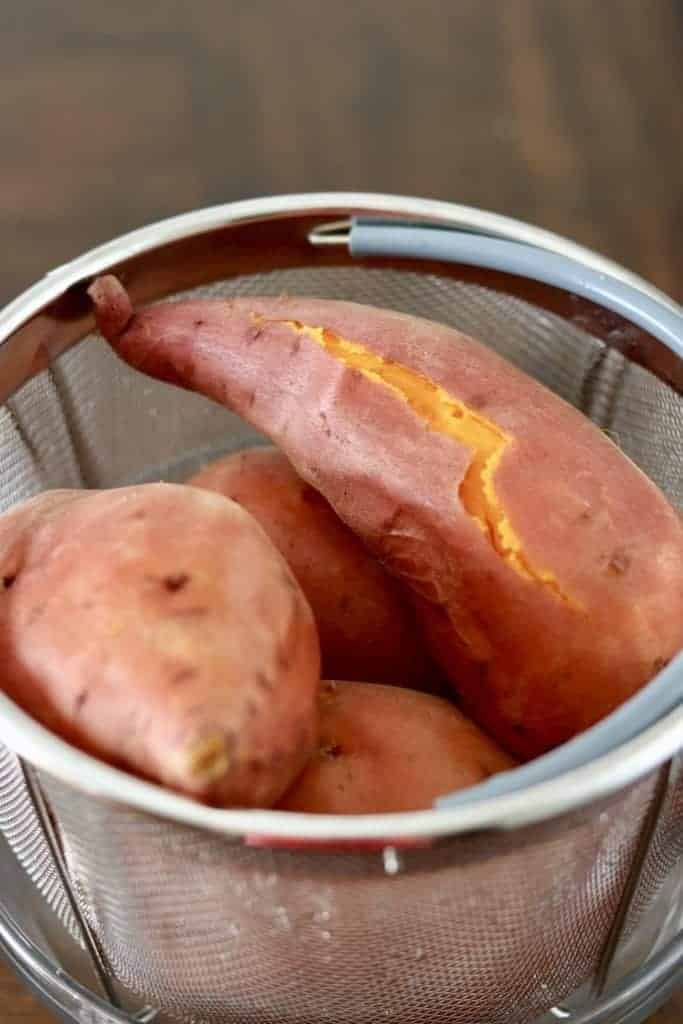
[472, 918]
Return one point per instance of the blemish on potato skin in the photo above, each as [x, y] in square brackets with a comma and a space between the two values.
[176, 581]
[36, 613]
[194, 612]
[283, 659]
[618, 563]
[660, 664]
[263, 682]
[9, 580]
[326, 428]
[183, 675]
[81, 700]
[209, 759]
[330, 751]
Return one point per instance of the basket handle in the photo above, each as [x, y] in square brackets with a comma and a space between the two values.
[643, 306]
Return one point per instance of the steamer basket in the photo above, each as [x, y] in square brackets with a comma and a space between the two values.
[557, 895]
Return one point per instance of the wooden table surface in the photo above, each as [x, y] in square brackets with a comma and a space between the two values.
[566, 113]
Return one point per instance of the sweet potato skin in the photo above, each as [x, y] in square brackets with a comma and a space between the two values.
[530, 666]
[385, 749]
[367, 631]
[157, 628]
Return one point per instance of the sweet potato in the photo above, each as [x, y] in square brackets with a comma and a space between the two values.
[157, 628]
[367, 631]
[547, 569]
[386, 749]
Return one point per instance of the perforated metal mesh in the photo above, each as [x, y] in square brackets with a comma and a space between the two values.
[21, 829]
[491, 928]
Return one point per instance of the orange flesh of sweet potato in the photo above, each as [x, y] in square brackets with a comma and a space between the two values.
[367, 631]
[547, 570]
[157, 628]
[385, 749]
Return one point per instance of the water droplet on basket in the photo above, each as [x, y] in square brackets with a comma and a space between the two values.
[326, 936]
[560, 1012]
[282, 919]
[322, 916]
[392, 861]
[233, 929]
[265, 881]
[419, 953]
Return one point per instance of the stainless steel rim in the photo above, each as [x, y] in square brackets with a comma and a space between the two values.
[542, 801]
[101, 258]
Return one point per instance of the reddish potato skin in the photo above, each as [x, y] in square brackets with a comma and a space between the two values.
[385, 749]
[532, 669]
[367, 631]
[157, 628]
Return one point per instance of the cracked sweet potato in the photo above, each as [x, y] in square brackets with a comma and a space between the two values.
[384, 749]
[367, 631]
[157, 628]
[546, 568]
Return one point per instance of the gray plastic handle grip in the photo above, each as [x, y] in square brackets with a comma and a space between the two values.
[371, 237]
[374, 237]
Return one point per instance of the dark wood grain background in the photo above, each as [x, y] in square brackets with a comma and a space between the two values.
[562, 112]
